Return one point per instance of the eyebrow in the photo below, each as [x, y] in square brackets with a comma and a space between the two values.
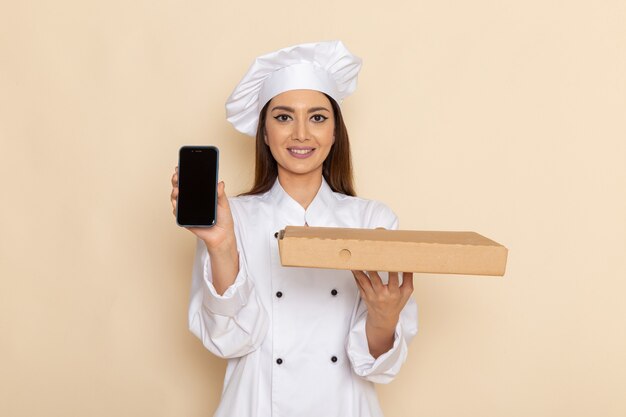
[292, 110]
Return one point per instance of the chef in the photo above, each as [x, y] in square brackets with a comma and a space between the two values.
[299, 341]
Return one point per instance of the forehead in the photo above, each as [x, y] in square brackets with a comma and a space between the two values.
[301, 99]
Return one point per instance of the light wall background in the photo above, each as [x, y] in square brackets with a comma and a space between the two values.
[502, 117]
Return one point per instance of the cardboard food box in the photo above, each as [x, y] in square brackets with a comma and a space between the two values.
[466, 253]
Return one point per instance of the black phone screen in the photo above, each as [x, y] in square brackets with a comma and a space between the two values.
[197, 186]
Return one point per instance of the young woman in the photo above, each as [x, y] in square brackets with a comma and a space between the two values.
[299, 342]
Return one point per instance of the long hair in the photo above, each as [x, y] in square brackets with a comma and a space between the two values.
[336, 169]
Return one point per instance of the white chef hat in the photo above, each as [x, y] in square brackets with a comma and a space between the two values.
[323, 66]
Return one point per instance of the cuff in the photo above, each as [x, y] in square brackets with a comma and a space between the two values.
[382, 369]
[234, 298]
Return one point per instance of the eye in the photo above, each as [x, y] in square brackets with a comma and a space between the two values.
[318, 118]
[282, 117]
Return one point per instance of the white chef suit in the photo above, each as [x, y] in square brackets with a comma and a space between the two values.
[294, 337]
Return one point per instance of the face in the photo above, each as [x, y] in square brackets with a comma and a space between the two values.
[299, 130]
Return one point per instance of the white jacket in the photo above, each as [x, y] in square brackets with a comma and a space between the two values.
[294, 337]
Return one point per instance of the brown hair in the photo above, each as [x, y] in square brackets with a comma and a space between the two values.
[337, 168]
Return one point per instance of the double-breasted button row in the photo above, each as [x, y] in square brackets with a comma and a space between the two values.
[334, 293]
[333, 359]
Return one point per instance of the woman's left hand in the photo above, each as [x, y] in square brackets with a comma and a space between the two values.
[384, 304]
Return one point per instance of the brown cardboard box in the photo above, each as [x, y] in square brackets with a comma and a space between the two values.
[466, 253]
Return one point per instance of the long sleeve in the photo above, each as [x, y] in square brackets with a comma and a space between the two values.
[229, 325]
[384, 368]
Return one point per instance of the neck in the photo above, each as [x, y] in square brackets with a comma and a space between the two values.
[302, 188]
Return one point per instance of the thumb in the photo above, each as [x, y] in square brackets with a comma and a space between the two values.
[221, 193]
[222, 199]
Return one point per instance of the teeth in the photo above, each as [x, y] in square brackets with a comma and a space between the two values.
[300, 151]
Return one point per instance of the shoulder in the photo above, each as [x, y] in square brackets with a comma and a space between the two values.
[247, 205]
[246, 200]
[372, 213]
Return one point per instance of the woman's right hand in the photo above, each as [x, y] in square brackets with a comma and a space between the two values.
[219, 239]
[221, 235]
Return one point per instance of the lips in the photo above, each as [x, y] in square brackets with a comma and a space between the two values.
[301, 152]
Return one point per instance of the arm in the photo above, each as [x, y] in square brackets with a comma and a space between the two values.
[384, 304]
[220, 239]
[383, 368]
[231, 324]
[224, 310]
[385, 319]
[224, 260]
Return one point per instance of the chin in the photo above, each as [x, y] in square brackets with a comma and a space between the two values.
[300, 170]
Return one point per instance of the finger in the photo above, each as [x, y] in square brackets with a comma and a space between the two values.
[407, 283]
[222, 199]
[364, 282]
[377, 282]
[174, 200]
[358, 284]
[394, 282]
[175, 179]
[174, 205]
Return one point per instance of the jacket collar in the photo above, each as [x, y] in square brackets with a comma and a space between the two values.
[293, 214]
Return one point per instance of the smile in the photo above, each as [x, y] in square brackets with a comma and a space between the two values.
[301, 152]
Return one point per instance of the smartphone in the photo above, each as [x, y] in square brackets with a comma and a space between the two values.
[197, 186]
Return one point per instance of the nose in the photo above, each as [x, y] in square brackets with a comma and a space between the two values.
[301, 131]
